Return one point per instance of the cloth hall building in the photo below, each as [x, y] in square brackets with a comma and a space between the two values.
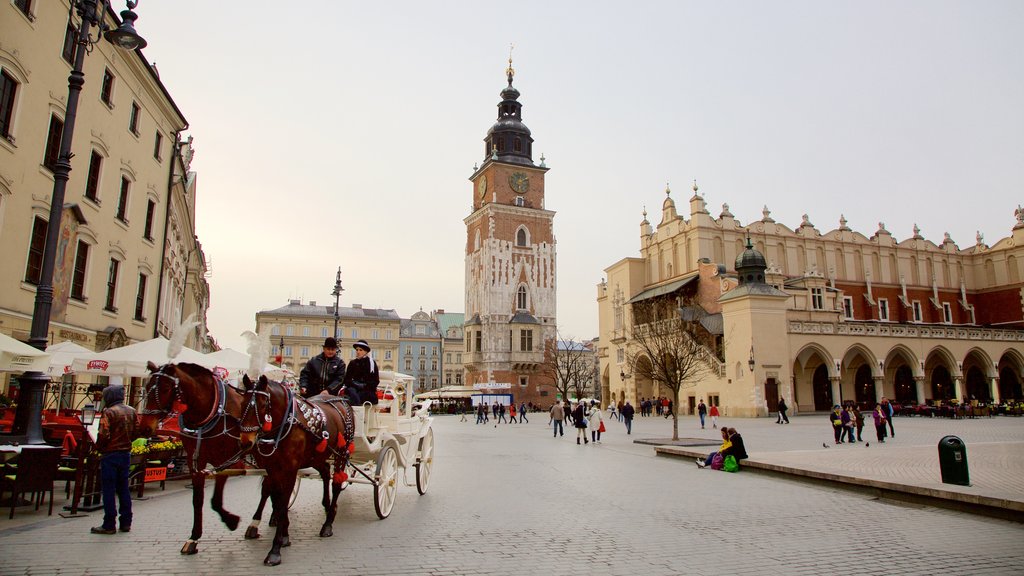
[839, 316]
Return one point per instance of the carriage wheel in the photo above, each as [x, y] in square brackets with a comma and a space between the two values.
[295, 492]
[386, 486]
[425, 462]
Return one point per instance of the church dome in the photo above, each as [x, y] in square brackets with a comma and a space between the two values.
[750, 265]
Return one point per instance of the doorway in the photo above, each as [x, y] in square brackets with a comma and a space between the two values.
[822, 389]
[771, 394]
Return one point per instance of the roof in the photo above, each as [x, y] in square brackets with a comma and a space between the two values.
[447, 320]
[296, 309]
[523, 318]
[753, 289]
[662, 290]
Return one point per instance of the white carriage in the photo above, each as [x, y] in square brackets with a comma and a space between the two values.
[395, 434]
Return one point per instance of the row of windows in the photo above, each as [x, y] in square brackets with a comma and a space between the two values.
[883, 310]
[423, 364]
[525, 341]
[304, 352]
[307, 331]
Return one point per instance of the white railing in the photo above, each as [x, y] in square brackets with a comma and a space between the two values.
[897, 330]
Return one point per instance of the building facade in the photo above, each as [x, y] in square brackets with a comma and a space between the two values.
[297, 332]
[112, 254]
[510, 263]
[419, 351]
[453, 345]
[849, 317]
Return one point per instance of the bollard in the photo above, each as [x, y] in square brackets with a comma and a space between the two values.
[953, 461]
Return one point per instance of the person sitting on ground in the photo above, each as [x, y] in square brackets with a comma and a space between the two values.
[738, 450]
[726, 444]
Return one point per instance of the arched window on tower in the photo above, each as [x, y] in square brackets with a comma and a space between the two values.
[521, 298]
[521, 237]
[517, 146]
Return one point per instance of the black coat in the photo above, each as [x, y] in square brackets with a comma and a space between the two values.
[364, 378]
[738, 450]
[314, 378]
[627, 411]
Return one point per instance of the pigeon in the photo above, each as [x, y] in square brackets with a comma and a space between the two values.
[824, 445]
[866, 444]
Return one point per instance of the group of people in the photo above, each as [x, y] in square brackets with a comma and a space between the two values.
[848, 422]
[326, 374]
[498, 413]
[704, 412]
[585, 418]
[656, 406]
[732, 445]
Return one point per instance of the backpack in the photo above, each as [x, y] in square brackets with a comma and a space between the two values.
[717, 461]
[730, 464]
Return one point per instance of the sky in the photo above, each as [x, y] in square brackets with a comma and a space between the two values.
[337, 133]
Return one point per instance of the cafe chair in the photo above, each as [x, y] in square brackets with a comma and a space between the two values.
[37, 468]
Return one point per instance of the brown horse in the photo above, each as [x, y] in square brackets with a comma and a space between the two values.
[295, 433]
[210, 426]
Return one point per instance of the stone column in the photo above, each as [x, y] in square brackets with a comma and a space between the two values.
[836, 390]
[919, 384]
[994, 382]
[958, 388]
[879, 392]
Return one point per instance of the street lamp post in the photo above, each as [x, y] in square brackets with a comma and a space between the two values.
[28, 419]
[337, 297]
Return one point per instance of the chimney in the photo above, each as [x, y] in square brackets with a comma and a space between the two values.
[294, 302]
[312, 302]
[357, 306]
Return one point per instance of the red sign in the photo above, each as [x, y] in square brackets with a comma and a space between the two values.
[156, 474]
[98, 365]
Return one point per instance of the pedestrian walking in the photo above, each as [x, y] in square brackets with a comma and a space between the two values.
[858, 422]
[668, 409]
[579, 419]
[522, 413]
[618, 408]
[557, 416]
[462, 412]
[846, 417]
[595, 422]
[627, 413]
[494, 412]
[512, 413]
[879, 417]
[714, 415]
[118, 425]
[887, 409]
[611, 411]
[836, 418]
[783, 419]
[702, 411]
[501, 415]
[480, 412]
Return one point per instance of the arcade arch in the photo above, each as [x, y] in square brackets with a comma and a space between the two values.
[1011, 366]
[812, 369]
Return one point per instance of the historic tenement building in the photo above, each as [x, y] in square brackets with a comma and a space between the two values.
[419, 351]
[839, 316]
[452, 345]
[127, 232]
[297, 332]
[510, 263]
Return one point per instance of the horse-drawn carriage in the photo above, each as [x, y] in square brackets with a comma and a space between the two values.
[396, 433]
[267, 430]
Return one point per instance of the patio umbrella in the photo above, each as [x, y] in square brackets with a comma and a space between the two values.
[16, 356]
[62, 355]
[130, 361]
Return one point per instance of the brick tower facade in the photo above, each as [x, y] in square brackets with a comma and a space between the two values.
[510, 265]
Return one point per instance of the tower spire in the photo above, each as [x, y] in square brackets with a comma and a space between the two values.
[510, 71]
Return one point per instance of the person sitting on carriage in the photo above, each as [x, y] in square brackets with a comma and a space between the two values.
[323, 373]
[362, 377]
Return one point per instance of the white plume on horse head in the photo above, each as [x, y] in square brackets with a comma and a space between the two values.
[178, 336]
[258, 348]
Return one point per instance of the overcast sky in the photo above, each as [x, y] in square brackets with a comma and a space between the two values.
[332, 133]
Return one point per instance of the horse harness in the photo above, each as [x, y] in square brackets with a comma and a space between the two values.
[308, 416]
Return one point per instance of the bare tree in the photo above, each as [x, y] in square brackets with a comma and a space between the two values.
[668, 347]
[569, 363]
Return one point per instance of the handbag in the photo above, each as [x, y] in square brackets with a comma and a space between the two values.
[730, 464]
[717, 461]
[601, 427]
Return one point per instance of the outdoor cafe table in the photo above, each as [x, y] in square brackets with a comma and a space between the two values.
[9, 452]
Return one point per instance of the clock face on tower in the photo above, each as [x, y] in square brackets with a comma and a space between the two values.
[481, 185]
[519, 182]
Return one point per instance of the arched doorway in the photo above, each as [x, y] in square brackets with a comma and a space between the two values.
[864, 388]
[645, 387]
[906, 390]
[822, 389]
[942, 384]
[977, 387]
[1009, 385]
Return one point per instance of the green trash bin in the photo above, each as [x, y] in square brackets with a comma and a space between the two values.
[953, 461]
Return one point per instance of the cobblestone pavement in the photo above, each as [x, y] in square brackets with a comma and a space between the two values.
[514, 500]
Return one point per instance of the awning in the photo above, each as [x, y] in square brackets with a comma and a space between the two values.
[446, 392]
[662, 290]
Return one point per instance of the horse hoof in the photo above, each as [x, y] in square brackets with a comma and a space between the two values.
[272, 559]
[231, 521]
[252, 533]
[190, 547]
[326, 532]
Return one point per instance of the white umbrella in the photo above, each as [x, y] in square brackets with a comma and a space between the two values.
[16, 356]
[62, 355]
[130, 361]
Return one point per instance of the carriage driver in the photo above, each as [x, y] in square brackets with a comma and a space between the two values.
[323, 373]
[362, 376]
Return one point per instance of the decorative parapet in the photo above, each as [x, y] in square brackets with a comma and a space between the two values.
[888, 329]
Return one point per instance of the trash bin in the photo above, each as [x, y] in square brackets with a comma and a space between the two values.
[953, 461]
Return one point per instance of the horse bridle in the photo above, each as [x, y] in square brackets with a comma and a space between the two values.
[251, 405]
[207, 423]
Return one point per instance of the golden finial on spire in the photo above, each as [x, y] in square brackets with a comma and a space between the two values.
[510, 72]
